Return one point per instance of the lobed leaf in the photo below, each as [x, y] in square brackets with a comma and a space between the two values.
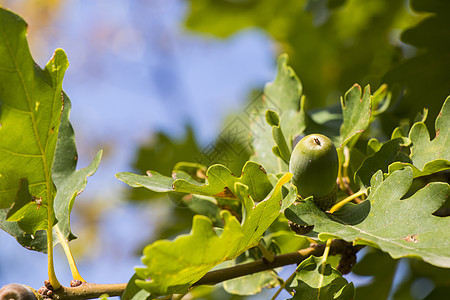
[282, 96]
[68, 181]
[401, 227]
[317, 279]
[173, 266]
[424, 151]
[31, 105]
[220, 182]
[386, 154]
[429, 156]
[281, 148]
[356, 112]
[38, 152]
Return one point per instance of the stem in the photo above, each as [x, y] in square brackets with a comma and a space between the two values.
[283, 285]
[265, 252]
[340, 180]
[346, 162]
[324, 260]
[348, 199]
[327, 250]
[73, 267]
[51, 269]
[89, 291]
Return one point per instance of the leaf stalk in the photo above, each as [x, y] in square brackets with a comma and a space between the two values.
[65, 245]
[338, 205]
[51, 269]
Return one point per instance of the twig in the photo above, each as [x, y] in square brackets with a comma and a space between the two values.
[283, 285]
[216, 276]
[89, 291]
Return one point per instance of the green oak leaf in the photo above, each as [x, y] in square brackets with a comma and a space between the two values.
[31, 105]
[356, 112]
[173, 266]
[282, 96]
[254, 283]
[345, 123]
[282, 150]
[401, 227]
[316, 279]
[133, 292]
[68, 181]
[373, 145]
[27, 212]
[251, 284]
[154, 181]
[286, 93]
[220, 182]
[162, 153]
[35, 242]
[380, 100]
[388, 153]
[430, 156]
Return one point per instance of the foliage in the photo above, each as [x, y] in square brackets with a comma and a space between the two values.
[239, 220]
[336, 43]
[369, 223]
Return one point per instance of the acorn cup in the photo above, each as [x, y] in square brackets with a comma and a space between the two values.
[314, 164]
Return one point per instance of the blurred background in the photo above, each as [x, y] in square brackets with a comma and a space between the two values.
[154, 82]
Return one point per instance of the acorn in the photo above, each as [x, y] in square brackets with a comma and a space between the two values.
[15, 291]
[314, 164]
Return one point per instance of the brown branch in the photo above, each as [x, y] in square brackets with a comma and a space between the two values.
[216, 276]
[90, 290]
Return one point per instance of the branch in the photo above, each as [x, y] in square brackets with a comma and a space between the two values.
[91, 290]
[216, 276]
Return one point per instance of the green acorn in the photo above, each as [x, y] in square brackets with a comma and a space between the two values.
[314, 164]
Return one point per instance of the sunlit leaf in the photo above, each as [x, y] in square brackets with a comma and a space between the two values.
[173, 266]
[27, 212]
[220, 182]
[429, 156]
[356, 111]
[283, 97]
[31, 105]
[424, 151]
